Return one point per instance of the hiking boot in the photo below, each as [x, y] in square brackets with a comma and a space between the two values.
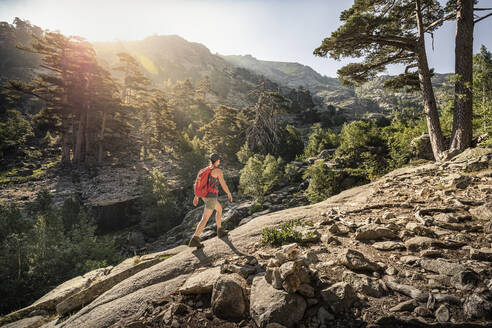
[195, 242]
[221, 232]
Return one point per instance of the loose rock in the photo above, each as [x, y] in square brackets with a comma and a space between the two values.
[229, 300]
[355, 260]
[340, 296]
[272, 305]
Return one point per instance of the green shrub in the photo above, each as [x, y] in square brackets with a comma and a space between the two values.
[244, 154]
[399, 136]
[363, 145]
[322, 182]
[272, 173]
[260, 175]
[285, 233]
[320, 139]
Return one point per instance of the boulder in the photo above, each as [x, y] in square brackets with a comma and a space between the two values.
[339, 229]
[419, 243]
[201, 282]
[457, 180]
[339, 296]
[483, 212]
[229, 297]
[268, 305]
[373, 231]
[442, 313]
[442, 267]
[291, 283]
[484, 254]
[356, 261]
[289, 268]
[363, 284]
[389, 245]
[477, 307]
[420, 229]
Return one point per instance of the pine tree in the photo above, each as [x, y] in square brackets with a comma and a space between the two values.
[265, 132]
[389, 32]
[482, 90]
[226, 132]
[463, 10]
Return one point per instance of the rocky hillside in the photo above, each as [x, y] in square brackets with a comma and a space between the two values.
[370, 97]
[412, 249]
[286, 73]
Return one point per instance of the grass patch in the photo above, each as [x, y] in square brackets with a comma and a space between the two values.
[6, 175]
[165, 257]
[286, 233]
[10, 176]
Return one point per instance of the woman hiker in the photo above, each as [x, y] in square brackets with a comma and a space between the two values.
[211, 202]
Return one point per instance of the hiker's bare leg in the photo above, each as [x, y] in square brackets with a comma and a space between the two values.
[218, 215]
[207, 213]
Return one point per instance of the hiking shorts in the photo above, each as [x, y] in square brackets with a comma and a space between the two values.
[210, 202]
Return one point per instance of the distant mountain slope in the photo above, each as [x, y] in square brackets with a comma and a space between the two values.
[172, 58]
[290, 74]
[354, 102]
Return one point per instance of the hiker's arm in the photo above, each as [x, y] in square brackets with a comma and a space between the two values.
[195, 201]
[223, 184]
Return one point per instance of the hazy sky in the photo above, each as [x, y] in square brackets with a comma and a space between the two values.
[280, 30]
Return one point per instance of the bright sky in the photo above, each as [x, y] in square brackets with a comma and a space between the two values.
[279, 30]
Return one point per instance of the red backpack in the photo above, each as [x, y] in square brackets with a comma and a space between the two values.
[201, 182]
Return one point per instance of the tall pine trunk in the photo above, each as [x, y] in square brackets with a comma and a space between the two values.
[65, 144]
[101, 139]
[79, 140]
[461, 136]
[430, 107]
[87, 136]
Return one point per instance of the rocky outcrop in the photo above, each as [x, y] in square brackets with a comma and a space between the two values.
[439, 276]
[201, 282]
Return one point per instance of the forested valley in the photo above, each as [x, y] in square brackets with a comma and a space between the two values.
[100, 143]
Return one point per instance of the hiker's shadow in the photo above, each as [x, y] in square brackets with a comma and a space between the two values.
[206, 260]
[233, 248]
[202, 257]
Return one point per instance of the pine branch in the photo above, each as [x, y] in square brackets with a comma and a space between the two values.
[440, 20]
[481, 18]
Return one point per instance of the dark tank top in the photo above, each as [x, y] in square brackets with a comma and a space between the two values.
[212, 182]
